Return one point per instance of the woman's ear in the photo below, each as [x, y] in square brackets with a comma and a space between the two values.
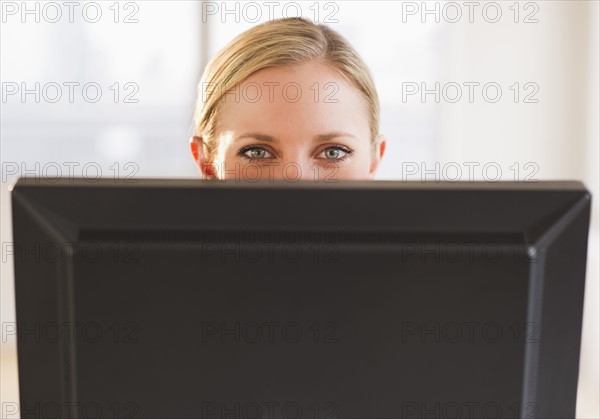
[198, 149]
[378, 152]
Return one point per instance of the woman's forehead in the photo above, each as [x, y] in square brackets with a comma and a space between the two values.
[293, 96]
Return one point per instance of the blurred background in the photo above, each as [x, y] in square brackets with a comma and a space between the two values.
[469, 91]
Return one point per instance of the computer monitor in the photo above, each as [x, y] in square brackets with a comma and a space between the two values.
[269, 299]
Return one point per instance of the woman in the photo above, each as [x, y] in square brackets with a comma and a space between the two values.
[287, 99]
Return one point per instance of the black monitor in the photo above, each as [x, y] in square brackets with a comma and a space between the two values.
[269, 299]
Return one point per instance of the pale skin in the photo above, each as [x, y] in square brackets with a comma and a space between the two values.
[317, 129]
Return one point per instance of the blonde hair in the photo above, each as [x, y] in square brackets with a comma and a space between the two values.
[279, 42]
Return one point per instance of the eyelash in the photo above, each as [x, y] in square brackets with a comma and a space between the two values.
[341, 147]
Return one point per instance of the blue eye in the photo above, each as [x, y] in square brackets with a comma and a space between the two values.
[257, 153]
[332, 153]
[336, 153]
[254, 153]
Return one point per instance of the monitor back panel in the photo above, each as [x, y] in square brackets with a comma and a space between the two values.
[274, 309]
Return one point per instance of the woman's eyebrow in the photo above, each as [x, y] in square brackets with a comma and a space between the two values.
[331, 135]
[257, 136]
[318, 139]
